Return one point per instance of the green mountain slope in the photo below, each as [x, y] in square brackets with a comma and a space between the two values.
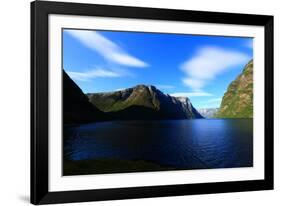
[143, 102]
[237, 102]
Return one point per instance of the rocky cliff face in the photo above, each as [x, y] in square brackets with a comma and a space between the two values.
[237, 102]
[208, 112]
[188, 108]
[76, 106]
[143, 102]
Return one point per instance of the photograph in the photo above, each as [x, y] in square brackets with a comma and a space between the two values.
[130, 102]
[148, 102]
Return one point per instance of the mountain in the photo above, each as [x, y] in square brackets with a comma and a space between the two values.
[208, 112]
[76, 106]
[188, 108]
[143, 102]
[237, 102]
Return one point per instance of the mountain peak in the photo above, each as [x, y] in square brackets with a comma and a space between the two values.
[143, 97]
[183, 99]
[144, 86]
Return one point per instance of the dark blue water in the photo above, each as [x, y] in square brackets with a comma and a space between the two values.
[200, 143]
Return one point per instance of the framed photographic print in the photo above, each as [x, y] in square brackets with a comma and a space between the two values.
[131, 102]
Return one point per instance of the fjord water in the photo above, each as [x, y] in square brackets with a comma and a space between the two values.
[180, 144]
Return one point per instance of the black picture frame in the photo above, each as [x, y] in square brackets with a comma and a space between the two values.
[39, 102]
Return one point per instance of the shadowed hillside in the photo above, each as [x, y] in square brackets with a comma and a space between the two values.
[76, 106]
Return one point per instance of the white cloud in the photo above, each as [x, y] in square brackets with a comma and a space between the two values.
[212, 103]
[191, 94]
[195, 84]
[120, 89]
[208, 63]
[91, 74]
[106, 48]
[249, 43]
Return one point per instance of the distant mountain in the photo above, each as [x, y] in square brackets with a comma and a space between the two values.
[208, 112]
[143, 102]
[76, 106]
[237, 102]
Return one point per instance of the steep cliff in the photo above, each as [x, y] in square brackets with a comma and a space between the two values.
[76, 106]
[237, 102]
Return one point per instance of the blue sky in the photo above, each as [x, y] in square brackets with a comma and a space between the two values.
[198, 67]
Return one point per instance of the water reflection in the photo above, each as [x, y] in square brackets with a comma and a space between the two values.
[201, 143]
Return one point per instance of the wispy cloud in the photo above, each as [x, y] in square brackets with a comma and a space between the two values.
[91, 74]
[120, 89]
[211, 103]
[191, 94]
[209, 62]
[249, 43]
[106, 48]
